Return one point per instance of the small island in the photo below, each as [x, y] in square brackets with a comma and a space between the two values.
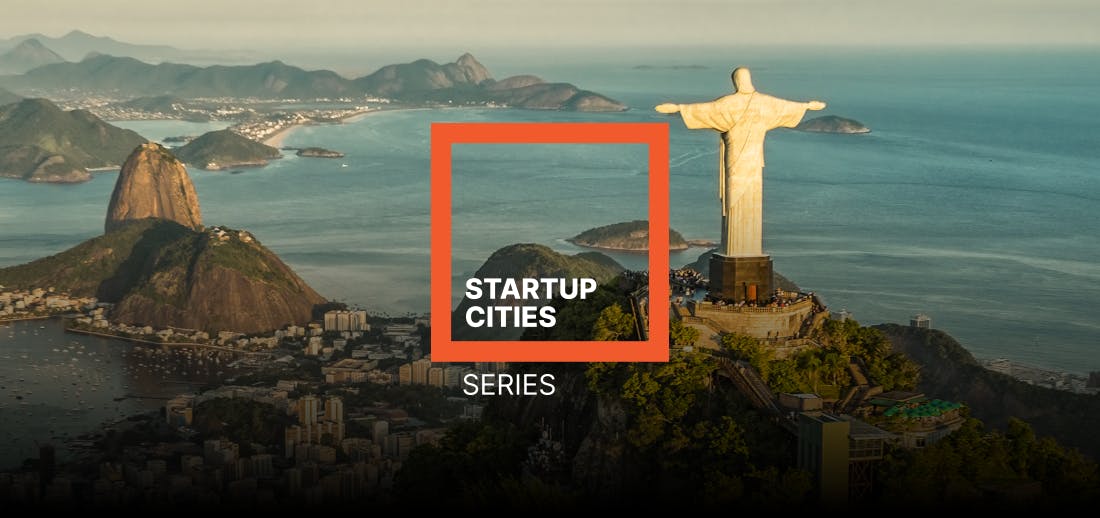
[224, 149]
[833, 124]
[630, 236]
[317, 152]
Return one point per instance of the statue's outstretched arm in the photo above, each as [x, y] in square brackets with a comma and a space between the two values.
[668, 108]
[815, 105]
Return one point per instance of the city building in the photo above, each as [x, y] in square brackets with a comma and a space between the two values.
[452, 375]
[435, 377]
[348, 370]
[823, 451]
[334, 409]
[315, 428]
[344, 320]
[420, 371]
[307, 409]
[916, 420]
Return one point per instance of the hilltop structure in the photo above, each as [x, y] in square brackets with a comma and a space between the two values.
[742, 296]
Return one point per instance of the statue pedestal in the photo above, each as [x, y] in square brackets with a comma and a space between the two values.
[741, 278]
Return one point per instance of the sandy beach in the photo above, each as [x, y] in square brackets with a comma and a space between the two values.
[276, 139]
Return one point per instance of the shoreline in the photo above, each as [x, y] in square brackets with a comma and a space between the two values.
[25, 319]
[150, 342]
[276, 139]
[626, 250]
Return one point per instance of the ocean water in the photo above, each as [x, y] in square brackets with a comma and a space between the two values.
[55, 386]
[974, 199]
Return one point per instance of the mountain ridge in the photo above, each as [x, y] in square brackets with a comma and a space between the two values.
[28, 54]
[462, 82]
[77, 44]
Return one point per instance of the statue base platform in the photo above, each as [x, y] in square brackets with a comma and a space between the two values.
[779, 325]
[741, 279]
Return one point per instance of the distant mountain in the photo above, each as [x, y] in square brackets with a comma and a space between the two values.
[466, 81]
[41, 143]
[529, 260]
[129, 76]
[425, 75]
[7, 97]
[832, 124]
[630, 236]
[28, 54]
[76, 45]
[153, 184]
[225, 149]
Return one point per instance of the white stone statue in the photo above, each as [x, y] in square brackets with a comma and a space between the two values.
[743, 118]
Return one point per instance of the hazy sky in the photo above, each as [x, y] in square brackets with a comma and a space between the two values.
[275, 24]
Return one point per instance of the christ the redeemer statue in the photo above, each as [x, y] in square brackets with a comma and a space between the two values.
[743, 119]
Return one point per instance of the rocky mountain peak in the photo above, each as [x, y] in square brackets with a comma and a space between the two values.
[475, 72]
[153, 184]
[28, 54]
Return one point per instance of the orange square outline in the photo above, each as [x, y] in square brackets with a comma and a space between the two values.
[446, 134]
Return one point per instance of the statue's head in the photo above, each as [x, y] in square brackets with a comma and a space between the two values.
[742, 81]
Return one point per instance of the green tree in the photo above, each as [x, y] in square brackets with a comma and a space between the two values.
[810, 362]
[965, 465]
[682, 335]
[613, 324]
[784, 376]
[835, 366]
[477, 458]
[744, 347]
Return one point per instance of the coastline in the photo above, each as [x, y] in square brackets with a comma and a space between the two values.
[26, 318]
[627, 250]
[150, 342]
[276, 139]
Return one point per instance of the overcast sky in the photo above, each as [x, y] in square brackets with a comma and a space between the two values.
[319, 24]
